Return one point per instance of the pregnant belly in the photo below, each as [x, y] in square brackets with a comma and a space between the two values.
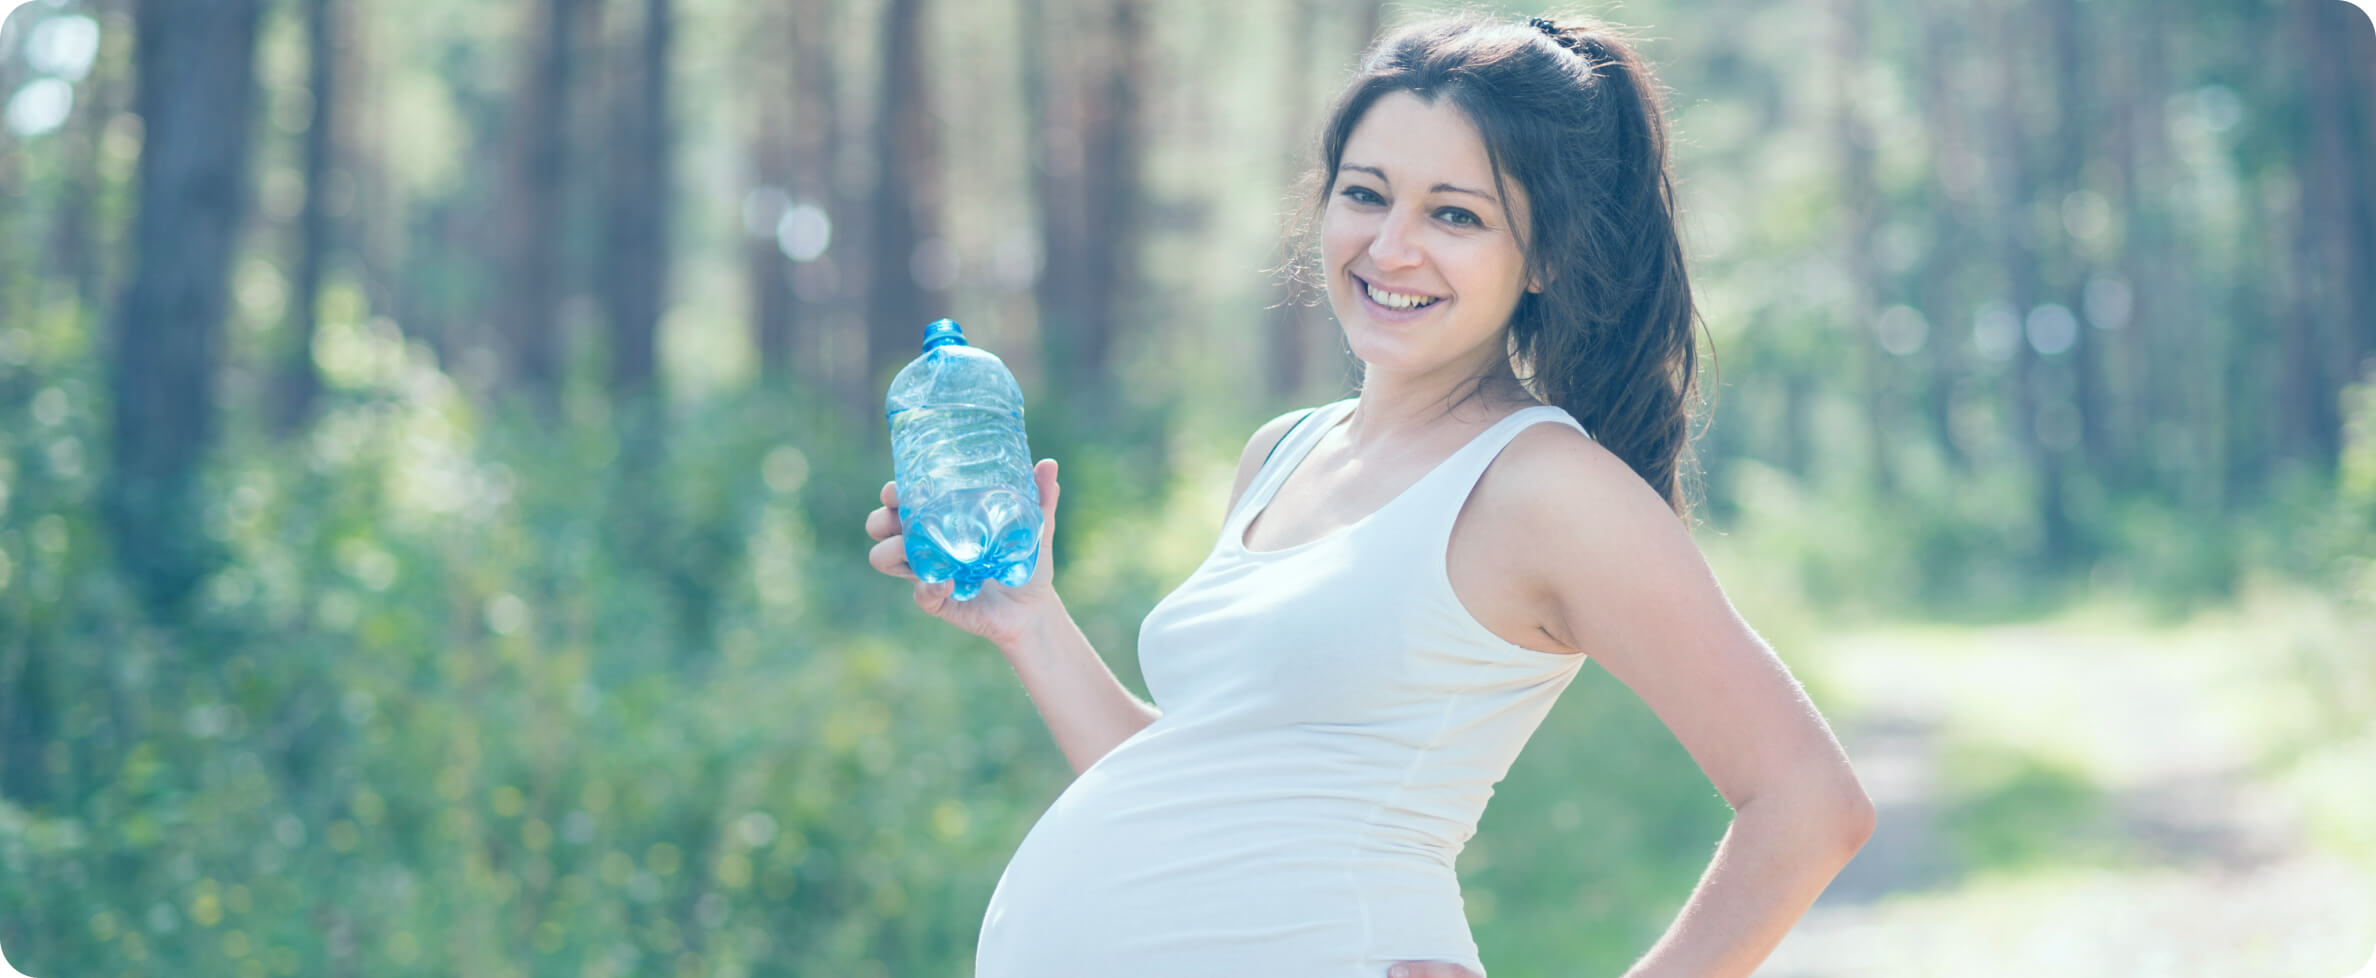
[1107, 886]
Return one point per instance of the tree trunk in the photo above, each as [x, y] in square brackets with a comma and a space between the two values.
[538, 178]
[1290, 324]
[1090, 204]
[1052, 117]
[299, 383]
[903, 291]
[2075, 128]
[194, 90]
[636, 247]
[766, 269]
[2173, 434]
[1942, 305]
[375, 229]
[2035, 382]
[1860, 208]
[2352, 49]
[820, 324]
[1111, 146]
[2122, 465]
[2331, 270]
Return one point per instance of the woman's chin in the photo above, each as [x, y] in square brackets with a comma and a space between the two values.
[1392, 355]
[1379, 357]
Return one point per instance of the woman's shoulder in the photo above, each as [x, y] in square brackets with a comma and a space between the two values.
[1555, 474]
[1558, 519]
[1266, 438]
[1265, 441]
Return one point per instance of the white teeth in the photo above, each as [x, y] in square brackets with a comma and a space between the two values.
[1393, 300]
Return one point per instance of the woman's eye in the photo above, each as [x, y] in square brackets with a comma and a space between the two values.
[1363, 195]
[1459, 218]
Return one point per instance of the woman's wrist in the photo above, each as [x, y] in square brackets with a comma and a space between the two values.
[1044, 625]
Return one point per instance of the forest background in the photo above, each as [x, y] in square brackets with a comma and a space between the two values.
[434, 438]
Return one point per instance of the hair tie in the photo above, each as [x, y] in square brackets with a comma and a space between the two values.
[1573, 42]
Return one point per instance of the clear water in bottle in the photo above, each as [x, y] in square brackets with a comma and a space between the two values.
[970, 509]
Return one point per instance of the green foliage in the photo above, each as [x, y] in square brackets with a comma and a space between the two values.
[483, 695]
[2004, 810]
[616, 693]
[480, 695]
[1951, 545]
[473, 696]
[1592, 842]
[1954, 548]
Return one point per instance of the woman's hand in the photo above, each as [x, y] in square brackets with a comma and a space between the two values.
[999, 613]
[1430, 969]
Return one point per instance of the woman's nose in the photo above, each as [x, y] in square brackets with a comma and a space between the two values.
[1394, 246]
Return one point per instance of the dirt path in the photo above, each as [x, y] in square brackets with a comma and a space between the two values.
[2180, 861]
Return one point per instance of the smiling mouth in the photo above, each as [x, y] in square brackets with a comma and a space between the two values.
[1395, 300]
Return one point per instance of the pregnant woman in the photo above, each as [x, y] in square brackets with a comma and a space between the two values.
[1408, 578]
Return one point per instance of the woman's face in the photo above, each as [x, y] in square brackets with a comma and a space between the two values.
[1423, 265]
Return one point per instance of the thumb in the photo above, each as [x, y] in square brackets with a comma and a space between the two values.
[1044, 474]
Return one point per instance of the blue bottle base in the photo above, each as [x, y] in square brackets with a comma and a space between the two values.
[973, 537]
[971, 578]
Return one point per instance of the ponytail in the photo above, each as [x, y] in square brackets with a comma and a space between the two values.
[1616, 348]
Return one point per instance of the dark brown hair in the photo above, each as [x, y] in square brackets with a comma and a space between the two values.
[1572, 115]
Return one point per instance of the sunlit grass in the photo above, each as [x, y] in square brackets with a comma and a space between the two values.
[2310, 919]
[2119, 793]
[2103, 688]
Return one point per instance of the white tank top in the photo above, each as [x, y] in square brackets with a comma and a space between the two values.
[1333, 723]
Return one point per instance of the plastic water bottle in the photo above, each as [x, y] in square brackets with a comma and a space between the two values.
[968, 505]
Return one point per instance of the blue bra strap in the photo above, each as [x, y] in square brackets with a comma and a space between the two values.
[1290, 433]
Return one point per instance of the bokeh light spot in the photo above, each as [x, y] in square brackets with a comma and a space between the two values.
[63, 47]
[2052, 329]
[804, 232]
[40, 107]
[785, 469]
[1901, 330]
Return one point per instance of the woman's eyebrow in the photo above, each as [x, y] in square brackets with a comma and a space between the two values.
[1442, 187]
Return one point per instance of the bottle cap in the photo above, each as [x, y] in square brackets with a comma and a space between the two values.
[943, 332]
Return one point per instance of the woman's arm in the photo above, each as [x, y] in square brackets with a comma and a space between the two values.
[1086, 708]
[1621, 580]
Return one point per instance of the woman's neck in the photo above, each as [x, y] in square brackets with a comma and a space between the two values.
[1397, 408]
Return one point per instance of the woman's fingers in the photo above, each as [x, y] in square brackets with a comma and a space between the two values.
[1430, 969]
[1044, 473]
[883, 523]
[933, 598]
[890, 557]
[890, 494]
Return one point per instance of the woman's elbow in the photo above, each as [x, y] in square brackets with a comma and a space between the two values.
[1855, 819]
[1837, 816]
[1825, 817]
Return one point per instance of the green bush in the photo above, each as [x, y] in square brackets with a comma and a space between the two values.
[473, 693]
[479, 694]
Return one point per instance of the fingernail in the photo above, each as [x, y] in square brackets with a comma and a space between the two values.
[1399, 971]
